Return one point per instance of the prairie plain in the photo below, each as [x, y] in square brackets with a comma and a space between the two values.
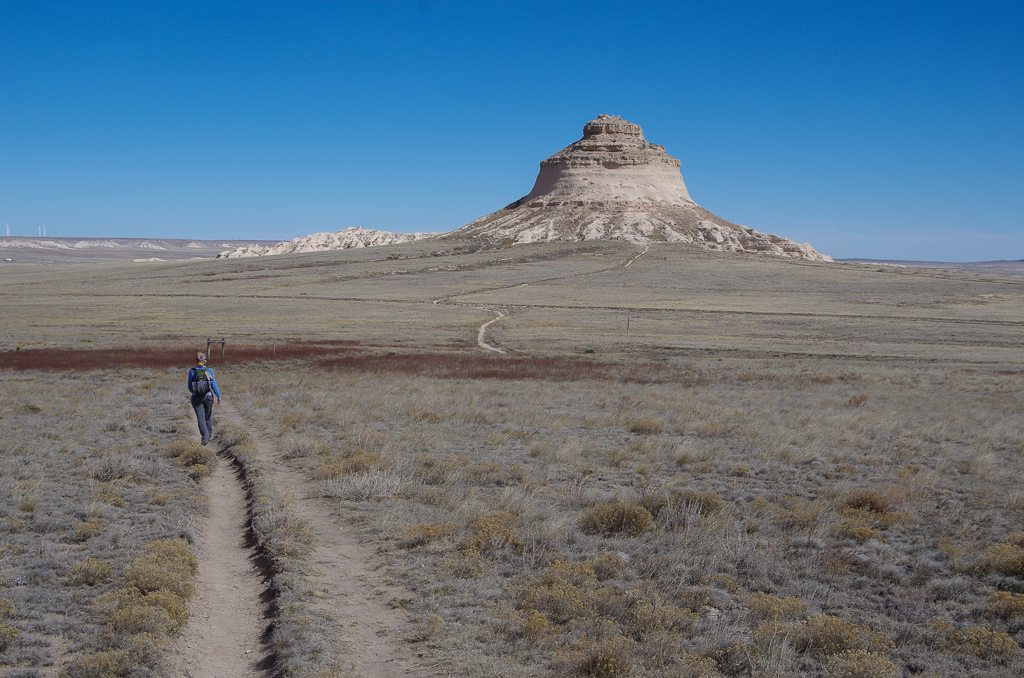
[654, 462]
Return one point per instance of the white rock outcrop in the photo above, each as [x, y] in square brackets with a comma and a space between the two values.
[354, 236]
[614, 185]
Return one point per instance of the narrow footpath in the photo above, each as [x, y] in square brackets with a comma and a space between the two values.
[226, 621]
[349, 577]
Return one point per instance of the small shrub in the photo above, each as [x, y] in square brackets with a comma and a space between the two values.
[646, 617]
[975, 640]
[691, 666]
[198, 471]
[734, 659]
[86, 529]
[7, 633]
[829, 635]
[169, 565]
[131, 618]
[861, 664]
[423, 534]
[1017, 539]
[606, 565]
[176, 448]
[366, 462]
[740, 471]
[533, 625]
[563, 591]
[1007, 559]
[854, 527]
[194, 453]
[88, 572]
[158, 497]
[1005, 605]
[132, 656]
[868, 500]
[614, 518]
[654, 503]
[7, 636]
[105, 664]
[493, 532]
[645, 427]
[764, 606]
[797, 513]
[600, 658]
[696, 598]
[328, 471]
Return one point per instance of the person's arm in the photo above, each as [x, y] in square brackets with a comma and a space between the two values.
[213, 384]
[191, 378]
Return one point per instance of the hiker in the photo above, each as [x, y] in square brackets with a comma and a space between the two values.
[203, 386]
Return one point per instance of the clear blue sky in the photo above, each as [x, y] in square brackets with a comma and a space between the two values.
[870, 129]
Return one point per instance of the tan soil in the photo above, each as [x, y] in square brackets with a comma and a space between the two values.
[226, 620]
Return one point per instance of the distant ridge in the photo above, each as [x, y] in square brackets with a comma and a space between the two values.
[348, 238]
[31, 249]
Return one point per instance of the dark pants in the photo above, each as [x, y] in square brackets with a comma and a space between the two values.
[204, 414]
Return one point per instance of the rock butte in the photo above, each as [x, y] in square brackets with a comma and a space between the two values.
[610, 185]
[614, 185]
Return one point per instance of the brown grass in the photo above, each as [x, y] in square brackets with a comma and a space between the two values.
[779, 418]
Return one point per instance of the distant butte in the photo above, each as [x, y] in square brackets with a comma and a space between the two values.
[614, 185]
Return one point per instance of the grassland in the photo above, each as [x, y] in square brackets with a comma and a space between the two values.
[786, 469]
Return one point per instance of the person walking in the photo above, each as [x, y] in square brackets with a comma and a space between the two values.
[203, 387]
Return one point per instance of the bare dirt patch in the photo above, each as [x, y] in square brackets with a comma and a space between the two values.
[226, 618]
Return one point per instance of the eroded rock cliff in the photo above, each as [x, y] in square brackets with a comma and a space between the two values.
[614, 185]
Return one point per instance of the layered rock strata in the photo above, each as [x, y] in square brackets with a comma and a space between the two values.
[351, 237]
[614, 185]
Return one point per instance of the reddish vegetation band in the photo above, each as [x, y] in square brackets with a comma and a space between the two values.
[339, 357]
[75, 360]
[350, 357]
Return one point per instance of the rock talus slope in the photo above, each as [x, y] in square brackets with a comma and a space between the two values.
[614, 185]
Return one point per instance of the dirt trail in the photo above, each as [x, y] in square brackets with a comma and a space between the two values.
[349, 576]
[482, 333]
[223, 636]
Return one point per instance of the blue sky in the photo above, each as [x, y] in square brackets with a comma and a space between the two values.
[885, 130]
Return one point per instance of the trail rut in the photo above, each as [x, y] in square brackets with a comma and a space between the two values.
[349, 577]
[226, 617]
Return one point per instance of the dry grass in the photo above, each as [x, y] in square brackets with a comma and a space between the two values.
[76, 490]
[808, 443]
[772, 545]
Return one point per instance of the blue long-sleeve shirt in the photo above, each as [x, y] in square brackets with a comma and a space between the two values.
[213, 380]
